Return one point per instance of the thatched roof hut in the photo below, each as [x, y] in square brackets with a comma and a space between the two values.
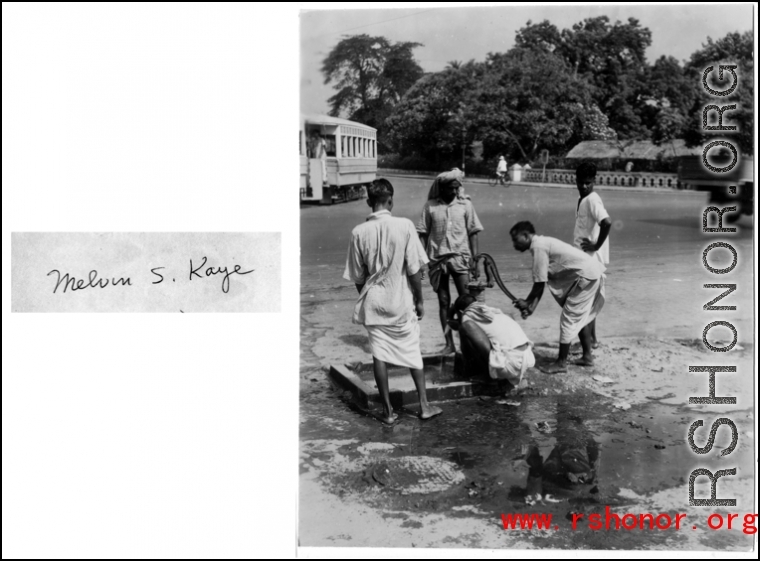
[630, 150]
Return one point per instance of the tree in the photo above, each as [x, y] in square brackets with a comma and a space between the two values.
[668, 96]
[530, 100]
[541, 37]
[609, 57]
[434, 119]
[371, 75]
[515, 103]
[595, 125]
[668, 84]
[734, 48]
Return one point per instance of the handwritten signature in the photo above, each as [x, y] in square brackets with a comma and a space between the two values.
[78, 284]
[72, 283]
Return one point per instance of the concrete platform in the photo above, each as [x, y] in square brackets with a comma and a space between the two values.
[444, 377]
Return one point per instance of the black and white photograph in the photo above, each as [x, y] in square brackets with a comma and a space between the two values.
[527, 292]
[511, 314]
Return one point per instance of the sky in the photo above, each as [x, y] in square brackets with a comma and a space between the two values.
[464, 33]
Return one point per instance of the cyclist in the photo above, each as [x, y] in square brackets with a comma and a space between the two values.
[501, 170]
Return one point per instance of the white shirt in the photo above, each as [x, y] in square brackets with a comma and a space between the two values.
[502, 165]
[588, 216]
[502, 329]
[382, 253]
[559, 264]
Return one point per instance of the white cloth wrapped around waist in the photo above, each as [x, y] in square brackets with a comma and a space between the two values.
[511, 351]
[397, 344]
[581, 305]
[511, 364]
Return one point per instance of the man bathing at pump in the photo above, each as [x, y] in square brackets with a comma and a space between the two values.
[592, 223]
[576, 280]
[384, 260]
[492, 342]
[449, 228]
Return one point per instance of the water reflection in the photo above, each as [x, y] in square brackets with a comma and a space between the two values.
[571, 464]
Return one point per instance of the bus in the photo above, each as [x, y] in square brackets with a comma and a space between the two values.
[692, 174]
[348, 163]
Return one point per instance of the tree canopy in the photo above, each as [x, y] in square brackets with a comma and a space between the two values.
[609, 57]
[553, 89]
[516, 103]
[370, 75]
[733, 49]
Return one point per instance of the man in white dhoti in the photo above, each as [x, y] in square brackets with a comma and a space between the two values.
[592, 223]
[576, 280]
[492, 341]
[384, 260]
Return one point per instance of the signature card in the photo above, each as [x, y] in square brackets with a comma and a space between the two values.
[145, 272]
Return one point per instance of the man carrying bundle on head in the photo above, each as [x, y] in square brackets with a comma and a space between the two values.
[384, 260]
[449, 230]
[576, 280]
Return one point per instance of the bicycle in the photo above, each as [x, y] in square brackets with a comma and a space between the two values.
[496, 179]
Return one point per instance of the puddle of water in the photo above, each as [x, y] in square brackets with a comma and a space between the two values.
[491, 443]
[463, 459]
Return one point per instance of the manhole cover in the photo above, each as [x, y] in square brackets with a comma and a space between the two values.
[416, 474]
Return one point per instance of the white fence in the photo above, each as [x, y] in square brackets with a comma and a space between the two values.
[612, 178]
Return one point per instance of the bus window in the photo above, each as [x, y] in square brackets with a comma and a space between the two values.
[313, 141]
[330, 142]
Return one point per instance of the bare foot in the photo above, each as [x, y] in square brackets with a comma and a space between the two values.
[385, 418]
[585, 361]
[429, 411]
[448, 350]
[556, 367]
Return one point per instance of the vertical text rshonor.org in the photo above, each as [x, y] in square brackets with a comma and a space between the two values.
[711, 399]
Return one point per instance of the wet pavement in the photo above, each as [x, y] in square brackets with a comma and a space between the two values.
[640, 451]
[623, 422]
